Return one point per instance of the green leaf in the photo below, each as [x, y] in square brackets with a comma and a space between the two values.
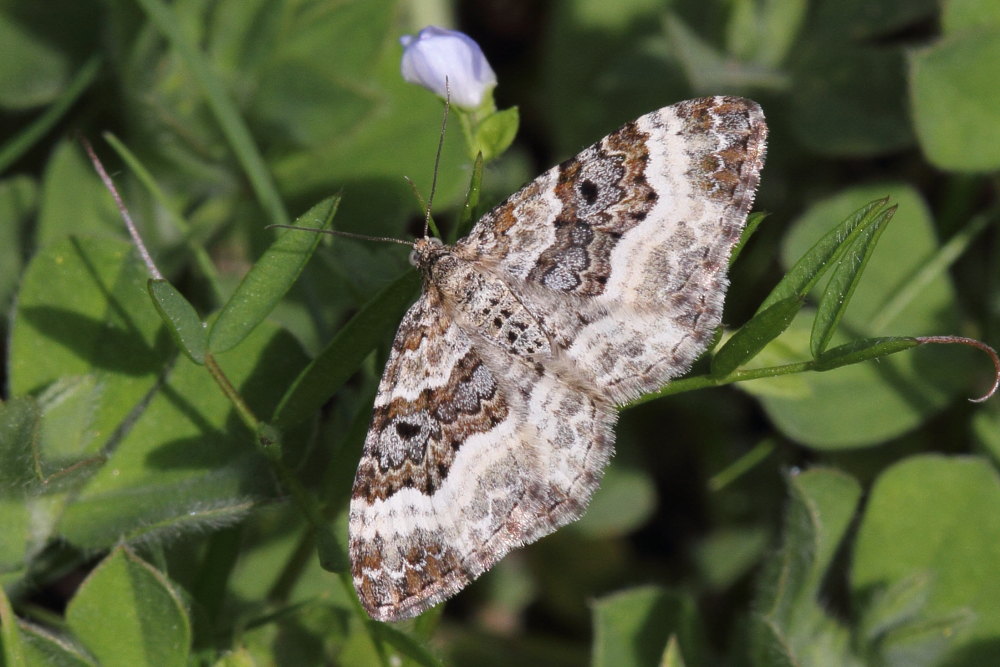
[961, 15]
[753, 222]
[49, 47]
[13, 643]
[84, 318]
[25, 523]
[240, 657]
[405, 645]
[74, 201]
[726, 555]
[632, 628]
[895, 604]
[329, 120]
[496, 133]
[344, 354]
[810, 267]
[845, 278]
[925, 642]
[764, 32]
[936, 516]
[45, 648]
[165, 18]
[956, 103]
[180, 224]
[18, 200]
[895, 628]
[128, 613]
[793, 626]
[862, 350]
[270, 278]
[19, 428]
[753, 336]
[862, 404]
[820, 508]
[187, 464]
[672, 656]
[623, 503]
[987, 430]
[15, 147]
[183, 324]
[709, 69]
[19, 545]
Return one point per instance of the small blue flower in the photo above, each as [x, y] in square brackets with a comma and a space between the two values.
[436, 53]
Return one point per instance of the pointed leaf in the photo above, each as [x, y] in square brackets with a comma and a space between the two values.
[18, 201]
[407, 647]
[811, 266]
[862, 404]
[845, 278]
[270, 278]
[13, 643]
[753, 222]
[895, 604]
[672, 656]
[925, 643]
[183, 323]
[753, 336]
[771, 649]
[45, 648]
[127, 613]
[862, 350]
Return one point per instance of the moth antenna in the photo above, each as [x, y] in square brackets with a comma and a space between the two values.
[349, 235]
[437, 156]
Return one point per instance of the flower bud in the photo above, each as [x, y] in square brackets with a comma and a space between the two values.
[436, 54]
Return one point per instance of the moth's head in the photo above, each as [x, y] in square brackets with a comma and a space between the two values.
[425, 250]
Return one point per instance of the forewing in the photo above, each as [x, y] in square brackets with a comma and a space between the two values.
[470, 454]
[622, 251]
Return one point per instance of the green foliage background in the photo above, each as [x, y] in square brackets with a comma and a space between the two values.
[844, 517]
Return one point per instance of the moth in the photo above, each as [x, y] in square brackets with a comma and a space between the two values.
[594, 284]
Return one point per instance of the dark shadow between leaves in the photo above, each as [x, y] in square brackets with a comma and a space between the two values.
[983, 653]
[103, 345]
[219, 446]
[212, 449]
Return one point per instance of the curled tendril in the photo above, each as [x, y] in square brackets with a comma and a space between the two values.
[978, 344]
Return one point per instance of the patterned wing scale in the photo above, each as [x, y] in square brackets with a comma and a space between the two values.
[469, 456]
[632, 238]
[597, 282]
